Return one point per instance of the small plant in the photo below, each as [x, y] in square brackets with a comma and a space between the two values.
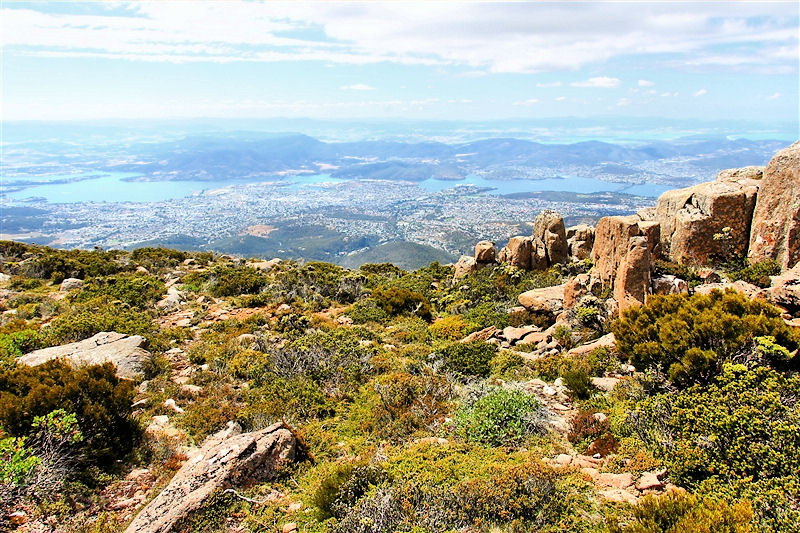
[563, 335]
[470, 358]
[500, 418]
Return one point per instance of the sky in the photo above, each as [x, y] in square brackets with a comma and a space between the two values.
[432, 60]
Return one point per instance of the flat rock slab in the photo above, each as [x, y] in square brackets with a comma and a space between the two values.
[226, 459]
[126, 352]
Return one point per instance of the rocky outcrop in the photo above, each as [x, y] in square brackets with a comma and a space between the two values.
[669, 284]
[227, 459]
[709, 221]
[548, 299]
[580, 240]
[632, 282]
[172, 301]
[775, 230]
[70, 284]
[785, 291]
[548, 229]
[485, 253]
[127, 353]
[464, 267]
[518, 252]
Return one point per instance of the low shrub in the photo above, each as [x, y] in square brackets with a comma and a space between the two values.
[757, 273]
[470, 358]
[500, 418]
[400, 300]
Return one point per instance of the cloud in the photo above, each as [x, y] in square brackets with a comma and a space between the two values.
[529, 101]
[622, 102]
[523, 37]
[602, 82]
[561, 98]
[548, 85]
[357, 87]
[646, 83]
[701, 92]
[774, 96]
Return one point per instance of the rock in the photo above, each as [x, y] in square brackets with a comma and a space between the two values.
[70, 284]
[344, 320]
[633, 277]
[548, 299]
[170, 404]
[775, 230]
[246, 338]
[4, 277]
[465, 266]
[548, 229]
[538, 255]
[483, 335]
[226, 459]
[264, 265]
[611, 243]
[605, 384]
[606, 341]
[485, 252]
[17, 518]
[192, 390]
[518, 252]
[600, 417]
[617, 481]
[740, 286]
[563, 459]
[291, 527]
[690, 219]
[512, 334]
[669, 284]
[618, 496]
[649, 481]
[580, 241]
[172, 301]
[580, 286]
[785, 291]
[283, 308]
[125, 352]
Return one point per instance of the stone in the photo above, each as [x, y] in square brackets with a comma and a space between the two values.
[633, 278]
[518, 252]
[547, 299]
[563, 459]
[748, 289]
[264, 265]
[785, 291]
[618, 496]
[736, 175]
[4, 277]
[70, 284]
[538, 255]
[172, 301]
[226, 459]
[170, 404]
[617, 481]
[611, 243]
[290, 527]
[485, 252]
[483, 335]
[604, 384]
[669, 284]
[548, 229]
[127, 353]
[606, 341]
[580, 241]
[649, 481]
[775, 230]
[512, 334]
[465, 266]
[709, 221]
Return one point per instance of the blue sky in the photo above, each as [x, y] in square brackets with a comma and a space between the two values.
[434, 60]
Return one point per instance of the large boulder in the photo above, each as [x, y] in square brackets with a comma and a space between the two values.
[580, 240]
[775, 230]
[611, 243]
[633, 278]
[485, 252]
[126, 352]
[464, 267]
[548, 229]
[709, 221]
[70, 284]
[227, 459]
[518, 252]
[547, 299]
[785, 291]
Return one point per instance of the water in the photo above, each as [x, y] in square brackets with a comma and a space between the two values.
[112, 187]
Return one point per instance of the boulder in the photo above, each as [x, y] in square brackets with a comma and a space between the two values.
[548, 299]
[709, 221]
[749, 290]
[617, 481]
[485, 252]
[548, 229]
[264, 265]
[776, 219]
[580, 286]
[633, 278]
[483, 335]
[172, 301]
[580, 240]
[538, 255]
[611, 243]
[512, 334]
[741, 175]
[227, 459]
[518, 252]
[70, 284]
[785, 291]
[669, 284]
[126, 352]
[464, 267]
[606, 341]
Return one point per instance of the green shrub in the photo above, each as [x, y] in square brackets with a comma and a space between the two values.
[500, 418]
[12, 345]
[399, 300]
[576, 378]
[679, 512]
[450, 328]
[691, 336]
[84, 321]
[470, 358]
[100, 400]
[156, 258]
[344, 486]
[135, 290]
[757, 273]
[233, 281]
[367, 311]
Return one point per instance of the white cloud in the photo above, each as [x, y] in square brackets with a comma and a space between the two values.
[489, 37]
[774, 96]
[357, 87]
[561, 98]
[548, 85]
[701, 92]
[622, 102]
[646, 83]
[602, 82]
[529, 101]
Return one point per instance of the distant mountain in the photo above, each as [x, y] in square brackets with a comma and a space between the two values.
[406, 255]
